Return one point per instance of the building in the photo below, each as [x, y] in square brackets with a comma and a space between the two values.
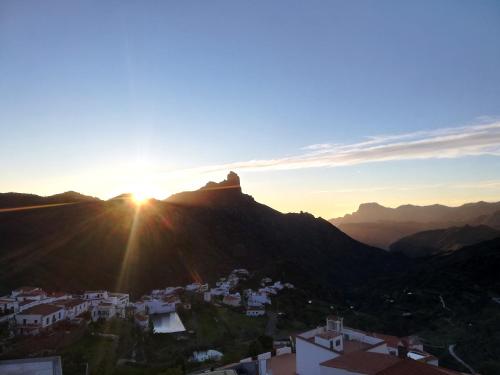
[73, 307]
[194, 287]
[142, 321]
[232, 300]
[105, 310]
[371, 363]
[207, 297]
[8, 304]
[38, 318]
[23, 290]
[258, 299]
[35, 295]
[256, 311]
[120, 301]
[95, 296]
[32, 366]
[338, 350]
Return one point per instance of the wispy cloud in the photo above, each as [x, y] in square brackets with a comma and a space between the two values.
[486, 184]
[471, 140]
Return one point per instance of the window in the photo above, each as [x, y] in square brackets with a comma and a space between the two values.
[337, 343]
[24, 322]
[36, 321]
[59, 315]
[47, 321]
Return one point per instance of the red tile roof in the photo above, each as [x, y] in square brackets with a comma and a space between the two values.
[364, 362]
[43, 309]
[411, 367]
[69, 303]
[328, 335]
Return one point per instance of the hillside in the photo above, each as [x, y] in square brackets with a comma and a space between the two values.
[443, 240]
[10, 200]
[202, 234]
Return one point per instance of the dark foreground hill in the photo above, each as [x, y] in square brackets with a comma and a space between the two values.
[195, 235]
[443, 240]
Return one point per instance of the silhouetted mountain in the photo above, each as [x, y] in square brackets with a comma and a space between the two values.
[203, 234]
[9, 200]
[443, 240]
[383, 234]
[226, 192]
[381, 226]
[374, 212]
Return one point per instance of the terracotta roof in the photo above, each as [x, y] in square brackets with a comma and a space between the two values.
[369, 363]
[283, 364]
[69, 303]
[392, 341]
[32, 293]
[25, 289]
[328, 334]
[141, 317]
[43, 309]
[26, 302]
[410, 367]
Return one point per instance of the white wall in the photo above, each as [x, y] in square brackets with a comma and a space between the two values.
[309, 356]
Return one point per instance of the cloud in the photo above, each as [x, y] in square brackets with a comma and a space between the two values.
[471, 140]
[486, 184]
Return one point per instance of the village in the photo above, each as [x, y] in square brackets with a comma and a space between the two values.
[329, 349]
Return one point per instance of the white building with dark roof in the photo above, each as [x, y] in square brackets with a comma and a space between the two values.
[38, 318]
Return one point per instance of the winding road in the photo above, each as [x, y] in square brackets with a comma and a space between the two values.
[451, 349]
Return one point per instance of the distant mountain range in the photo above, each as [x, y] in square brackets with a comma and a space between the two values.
[192, 235]
[440, 241]
[381, 226]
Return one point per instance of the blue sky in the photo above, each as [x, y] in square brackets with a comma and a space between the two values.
[161, 96]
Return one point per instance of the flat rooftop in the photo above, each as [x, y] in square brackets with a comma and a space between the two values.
[32, 366]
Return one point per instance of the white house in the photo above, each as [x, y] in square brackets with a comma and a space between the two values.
[206, 355]
[24, 289]
[207, 296]
[95, 296]
[256, 299]
[37, 295]
[194, 287]
[38, 318]
[73, 307]
[220, 291]
[338, 350]
[120, 301]
[331, 341]
[8, 304]
[105, 310]
[256, 311]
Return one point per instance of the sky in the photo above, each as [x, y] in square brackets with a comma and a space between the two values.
[318, 106]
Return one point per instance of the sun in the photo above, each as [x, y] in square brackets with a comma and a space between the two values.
[140, 197]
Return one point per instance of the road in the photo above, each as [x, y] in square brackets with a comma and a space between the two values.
[451, 349]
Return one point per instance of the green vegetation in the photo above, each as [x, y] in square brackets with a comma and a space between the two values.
[127, 350]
